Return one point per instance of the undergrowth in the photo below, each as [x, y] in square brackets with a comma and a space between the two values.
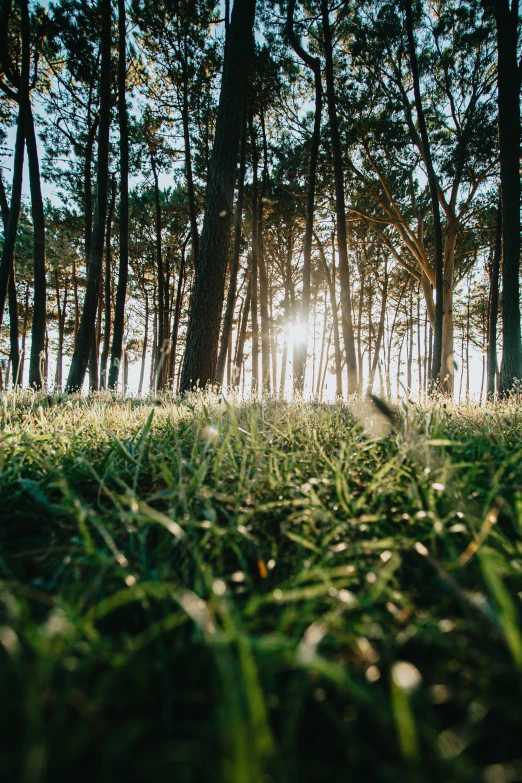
[204, 590]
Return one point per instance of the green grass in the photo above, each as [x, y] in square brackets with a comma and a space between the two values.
[260, 592]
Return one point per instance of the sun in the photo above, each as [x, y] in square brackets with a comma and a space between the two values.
[297, 333]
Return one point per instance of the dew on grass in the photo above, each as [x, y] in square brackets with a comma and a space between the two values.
[219, 587]
[348, 598]
[406, 676]
[373, 673]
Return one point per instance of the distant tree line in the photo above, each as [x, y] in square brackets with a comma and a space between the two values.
[259, 193]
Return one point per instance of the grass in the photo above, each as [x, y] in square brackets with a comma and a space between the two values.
[257, 592]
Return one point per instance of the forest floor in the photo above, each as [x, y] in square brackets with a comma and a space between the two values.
[259, 592]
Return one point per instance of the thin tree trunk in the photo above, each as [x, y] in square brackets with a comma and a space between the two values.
[12, 295]
[437, 371]
[240, 351]
[380, 331]
[493, 305]
[87, 324]
[331, 279]
[145, 344]
[344, 269]
[234, 265]
[123, 270]
[107, 291]
[177, 317]
[200, 362]
[314, 63]
[193, 217]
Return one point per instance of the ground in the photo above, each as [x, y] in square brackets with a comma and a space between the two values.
[209, 590]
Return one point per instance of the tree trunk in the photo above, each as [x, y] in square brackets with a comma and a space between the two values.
[242, 335]
[314, 63]
[193, 217]
[107, 291]
[200, 363]
[14, 355]
[506, 14]
[344, 269]
[493, 305]
[123, 270]
[438, 370]
[234, 266]
[447, 367]
[145, 344]
[259, 262]
[380, 331]
[177, 317]
[87, 324]
[331, 278]
[7, 258]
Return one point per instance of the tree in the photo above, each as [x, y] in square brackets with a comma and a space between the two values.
[119, 311]
[88, 319]
[506, 16]
[199, 367]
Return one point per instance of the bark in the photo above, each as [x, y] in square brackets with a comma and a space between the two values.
[145, 344]
[193, 217]
[314, 63]
[380, 330]
[123, 270]
[62, 309]
[161, 332]
[87, 323]
[14, 355]
[104, 382]
[331, 277]
[200, 362]
[240, 351]
[493, 305]
[506, 15]
[258, 261]
[234, 266]
[7, 258]
[438, 370]
[340, 208]
[177, 316]
[447, 369]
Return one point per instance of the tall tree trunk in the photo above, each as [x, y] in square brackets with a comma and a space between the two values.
[258, 262]
[87, 324]
[14, 355]
[200, 363]
[193, 217]
[123, 270]
[160, 344]
[493, 305]
[314, 63]
[506, 14]
[438, 371]
[344, 269]
[7, 258]
[107, 291]
[234, 265]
